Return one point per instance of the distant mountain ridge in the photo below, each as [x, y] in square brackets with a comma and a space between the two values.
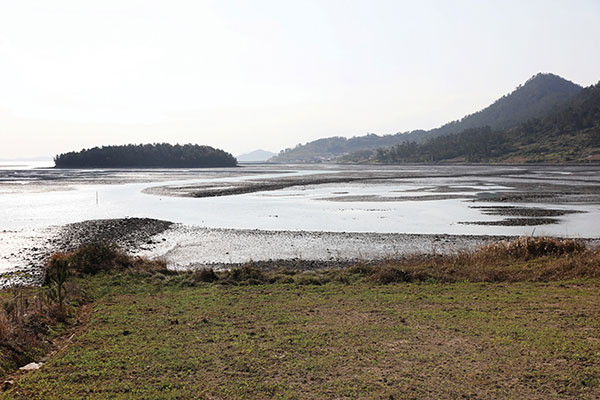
[536, 97]
[255, 156]
[569, 133]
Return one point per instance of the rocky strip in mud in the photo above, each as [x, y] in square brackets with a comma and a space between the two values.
[33, 248]
[127, 233]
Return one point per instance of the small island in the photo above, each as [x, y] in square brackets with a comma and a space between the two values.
[157, 155]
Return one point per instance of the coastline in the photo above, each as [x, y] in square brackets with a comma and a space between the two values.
[186, 247]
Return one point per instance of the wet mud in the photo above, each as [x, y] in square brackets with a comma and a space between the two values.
[515, 222]
[521, 216]
[524, 211]
[384, 199]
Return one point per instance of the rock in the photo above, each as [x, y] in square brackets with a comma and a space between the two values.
[31, 366]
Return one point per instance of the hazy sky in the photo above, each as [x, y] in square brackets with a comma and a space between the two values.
[241, 75]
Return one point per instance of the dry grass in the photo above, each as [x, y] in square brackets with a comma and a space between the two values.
[527, 247]
[524, 259]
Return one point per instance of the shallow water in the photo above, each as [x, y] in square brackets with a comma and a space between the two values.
[34, 199]
[390, 206]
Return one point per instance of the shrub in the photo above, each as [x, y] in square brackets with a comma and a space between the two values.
[247, 274]
[205, 275]
[200, 276]
[361, 269]
[145, 266]
[95, 257]
[390, 274]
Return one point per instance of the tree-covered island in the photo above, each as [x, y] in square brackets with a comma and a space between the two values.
[157, 155]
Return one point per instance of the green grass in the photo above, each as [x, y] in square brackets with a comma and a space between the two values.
[155, 338]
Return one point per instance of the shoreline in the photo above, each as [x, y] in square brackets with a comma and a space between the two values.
[186, 247]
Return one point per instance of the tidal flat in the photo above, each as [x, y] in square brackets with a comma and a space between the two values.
[261, 212]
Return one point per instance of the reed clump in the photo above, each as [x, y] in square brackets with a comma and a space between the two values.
[526, 248]
[522, 259]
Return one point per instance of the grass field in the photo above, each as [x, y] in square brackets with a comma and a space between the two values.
[512, 320]
[155, 339]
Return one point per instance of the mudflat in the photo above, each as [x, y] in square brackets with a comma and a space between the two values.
[324, 214]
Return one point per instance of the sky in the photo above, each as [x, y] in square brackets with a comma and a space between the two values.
[243, 75]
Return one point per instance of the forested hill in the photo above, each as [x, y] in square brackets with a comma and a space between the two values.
[159, 155]
[536, 97]
[570, 133]
[332, 147]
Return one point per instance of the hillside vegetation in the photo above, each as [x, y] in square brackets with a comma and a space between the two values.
[570, 133]
[330, 148]
[162, 155]
[537, 97]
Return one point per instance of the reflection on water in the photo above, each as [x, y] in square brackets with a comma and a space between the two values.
[24, 165]
[414, 205]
